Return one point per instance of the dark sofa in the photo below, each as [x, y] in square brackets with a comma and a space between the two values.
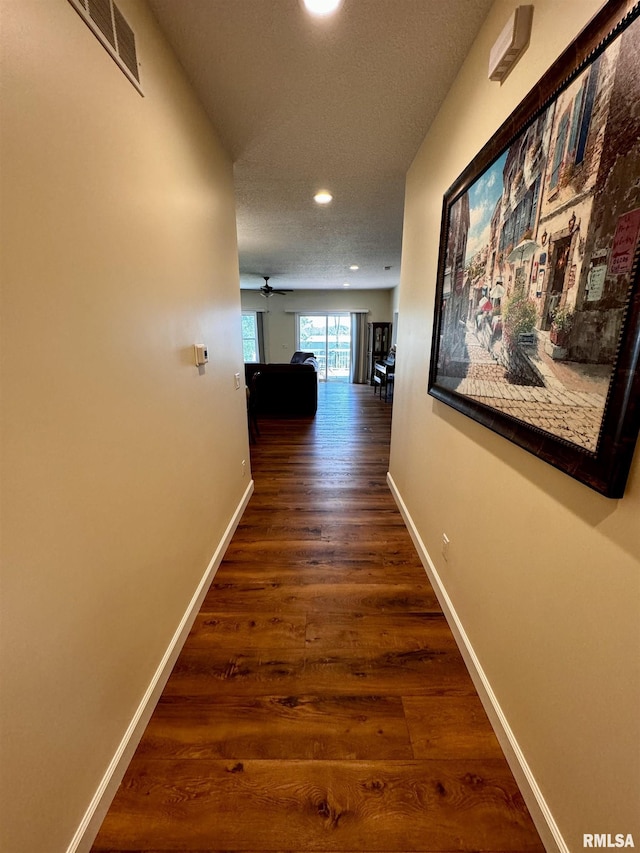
[284, 390]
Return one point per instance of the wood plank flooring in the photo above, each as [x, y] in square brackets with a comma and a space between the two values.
[320, 702]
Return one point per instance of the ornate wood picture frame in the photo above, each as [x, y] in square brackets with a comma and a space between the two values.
[537, 316]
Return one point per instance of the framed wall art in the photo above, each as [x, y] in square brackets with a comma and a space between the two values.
[537, 317]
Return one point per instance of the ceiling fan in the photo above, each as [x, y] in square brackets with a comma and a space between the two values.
[266, 290]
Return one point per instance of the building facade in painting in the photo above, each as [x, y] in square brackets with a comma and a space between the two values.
[608, 243]
[455, 287]
[570, 202]
[590, 142]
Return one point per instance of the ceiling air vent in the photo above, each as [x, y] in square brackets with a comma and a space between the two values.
[110, 27]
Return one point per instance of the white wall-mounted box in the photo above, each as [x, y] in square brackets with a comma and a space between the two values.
[511, 43]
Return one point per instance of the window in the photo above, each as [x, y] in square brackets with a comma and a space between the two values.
[534, 192]
[250, 348]
[585, 122]
[576, 120]
[506, 237]
[328, 336]
[558, 154]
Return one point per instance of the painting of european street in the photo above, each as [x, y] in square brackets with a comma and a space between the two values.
[539, 258]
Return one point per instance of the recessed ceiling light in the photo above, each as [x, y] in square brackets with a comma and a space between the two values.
[346, 284]
[323, 197]
[321, 8]
[354, 267]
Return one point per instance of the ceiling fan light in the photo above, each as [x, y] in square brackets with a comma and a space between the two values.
[323, 197]
[321, 8]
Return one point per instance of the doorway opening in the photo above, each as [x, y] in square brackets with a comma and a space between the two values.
[328, 336]
[560, 268]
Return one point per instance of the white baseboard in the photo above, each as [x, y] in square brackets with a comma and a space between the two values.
[538, 808]
[95, 814]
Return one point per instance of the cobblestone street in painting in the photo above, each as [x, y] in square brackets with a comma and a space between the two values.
[570, 414]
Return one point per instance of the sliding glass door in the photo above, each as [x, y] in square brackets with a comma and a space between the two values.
[328, 336]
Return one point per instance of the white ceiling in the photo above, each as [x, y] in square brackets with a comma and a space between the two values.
[303, 104]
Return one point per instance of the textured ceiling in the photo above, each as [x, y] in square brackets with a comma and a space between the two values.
[303, 104]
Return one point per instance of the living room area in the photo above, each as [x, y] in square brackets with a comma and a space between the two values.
[297, 341]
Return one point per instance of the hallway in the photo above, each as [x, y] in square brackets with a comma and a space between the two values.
[320, 702]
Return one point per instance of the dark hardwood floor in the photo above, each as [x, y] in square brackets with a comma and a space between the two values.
[320, 702]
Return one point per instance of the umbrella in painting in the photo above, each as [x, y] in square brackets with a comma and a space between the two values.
[485, 304]
[497, 291]
[522, 251]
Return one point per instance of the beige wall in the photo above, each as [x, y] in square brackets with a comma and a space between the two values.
[280, 316]
[543, 573]
[121, 461]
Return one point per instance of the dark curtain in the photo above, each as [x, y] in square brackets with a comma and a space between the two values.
[358, 347]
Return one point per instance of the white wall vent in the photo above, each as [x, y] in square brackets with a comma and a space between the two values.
[109, 26]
